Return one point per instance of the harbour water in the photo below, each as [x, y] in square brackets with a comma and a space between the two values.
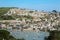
[30, 35]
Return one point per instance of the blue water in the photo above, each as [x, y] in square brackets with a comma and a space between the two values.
[30, 35]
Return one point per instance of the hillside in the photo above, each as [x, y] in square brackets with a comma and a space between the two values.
[36, 18]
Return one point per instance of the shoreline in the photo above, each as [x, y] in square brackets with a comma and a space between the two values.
[26, 30]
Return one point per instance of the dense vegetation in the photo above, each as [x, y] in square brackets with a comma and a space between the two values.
[54, 35]
[4, 10]
[5, 35]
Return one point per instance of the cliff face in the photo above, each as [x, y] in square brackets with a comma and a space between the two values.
[36, 18]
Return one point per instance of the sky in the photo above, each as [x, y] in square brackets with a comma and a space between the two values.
[46, 5]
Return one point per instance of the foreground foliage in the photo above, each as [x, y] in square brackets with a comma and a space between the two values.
[54, 35]
[5, 35]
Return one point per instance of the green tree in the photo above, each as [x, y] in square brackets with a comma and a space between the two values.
[54, 35]
[4, 35]
[31, 11]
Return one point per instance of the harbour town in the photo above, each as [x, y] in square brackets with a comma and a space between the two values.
[27, 19]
